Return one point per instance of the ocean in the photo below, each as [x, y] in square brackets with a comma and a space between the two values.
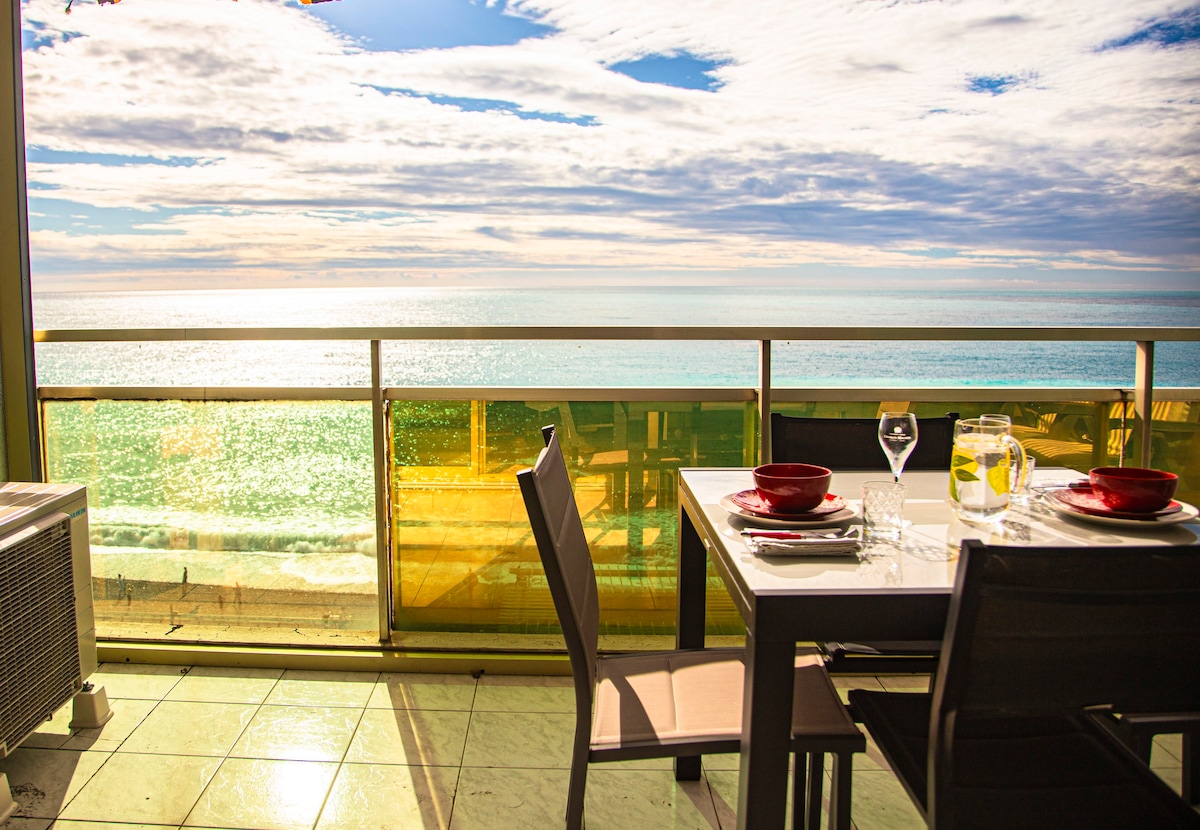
[611, 364]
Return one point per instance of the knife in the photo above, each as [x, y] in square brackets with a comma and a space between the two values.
[850, 534]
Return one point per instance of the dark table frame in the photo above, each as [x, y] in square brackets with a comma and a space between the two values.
[774, 625]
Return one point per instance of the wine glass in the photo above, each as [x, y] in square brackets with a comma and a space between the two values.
[898, 437]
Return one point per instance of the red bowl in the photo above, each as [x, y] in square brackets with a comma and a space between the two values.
[1133, 489]
[791, 488]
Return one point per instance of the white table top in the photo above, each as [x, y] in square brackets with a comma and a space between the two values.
[925, 559]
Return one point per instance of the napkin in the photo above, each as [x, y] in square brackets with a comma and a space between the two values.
[803, 542]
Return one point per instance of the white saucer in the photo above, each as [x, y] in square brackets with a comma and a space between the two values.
[840, 517]
[1186, 513]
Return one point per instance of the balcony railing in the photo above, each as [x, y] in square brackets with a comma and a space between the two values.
[366, 513]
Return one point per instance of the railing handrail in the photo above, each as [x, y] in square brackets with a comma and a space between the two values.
[649, 394]
[1143, 336]
[591, 332]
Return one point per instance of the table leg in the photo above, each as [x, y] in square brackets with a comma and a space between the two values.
[689, 613]
[766, 733]
[690, 586]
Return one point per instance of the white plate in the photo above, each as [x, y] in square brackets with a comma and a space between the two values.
[840, 517]
[1186, 513]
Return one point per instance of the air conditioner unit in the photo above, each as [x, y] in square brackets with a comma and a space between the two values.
[47, 624]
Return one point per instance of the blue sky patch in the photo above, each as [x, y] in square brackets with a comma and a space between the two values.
[682, 70]
[76, 219]
[992, 84]
[1179, 29]
[405, 25]
[493, 105]
[936, 253]
[33, 35]
[43, 155]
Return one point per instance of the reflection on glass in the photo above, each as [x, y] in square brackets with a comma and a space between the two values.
[256, 517]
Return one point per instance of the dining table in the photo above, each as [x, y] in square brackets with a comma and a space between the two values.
[888, 590]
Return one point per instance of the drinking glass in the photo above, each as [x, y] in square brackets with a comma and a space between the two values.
[898, 437]
[883, 509]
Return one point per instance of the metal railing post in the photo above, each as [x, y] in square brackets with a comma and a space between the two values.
[20, 434]
[383, 524]
[1143, 398]
[764, 400]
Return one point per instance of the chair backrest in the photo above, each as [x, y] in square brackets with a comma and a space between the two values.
[563, 548]
[853, 443]
[1054, 630]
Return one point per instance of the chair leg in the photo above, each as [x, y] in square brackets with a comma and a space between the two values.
[576, 789]
[816, 786]
[575, 798]
[687, 768]
[799, 781]
[840, 792]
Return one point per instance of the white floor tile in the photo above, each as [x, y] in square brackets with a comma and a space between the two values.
[16, 823]
[136, 680]
[43, 781]
[212, 684]
[410, 736]
[619, 799]
[502, 693]
[267, 795]
[323, 688]
[389, 797]
[143, 789]
[298, 733]
[510, 799]
[424, 691]
[177, 727]
[879, 802]
[519, 740]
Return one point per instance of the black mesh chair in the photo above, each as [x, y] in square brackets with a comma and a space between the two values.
[671, 703]
[1038, 642]
[853, 444]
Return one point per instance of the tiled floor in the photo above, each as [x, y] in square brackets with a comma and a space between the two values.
[277, 750]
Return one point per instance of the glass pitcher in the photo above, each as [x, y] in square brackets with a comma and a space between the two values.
[986, 464]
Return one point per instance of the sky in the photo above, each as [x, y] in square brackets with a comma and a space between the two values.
[227, 143]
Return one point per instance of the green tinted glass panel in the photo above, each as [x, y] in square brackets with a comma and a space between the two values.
[432, 433]
[465, 560]
[1077, 435]
[252, 520]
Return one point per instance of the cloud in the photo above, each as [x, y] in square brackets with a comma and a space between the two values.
[867, 134]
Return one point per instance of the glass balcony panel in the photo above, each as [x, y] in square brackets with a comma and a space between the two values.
[465, 560]
[253, 521]
[1077, 435]
[224, 522]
